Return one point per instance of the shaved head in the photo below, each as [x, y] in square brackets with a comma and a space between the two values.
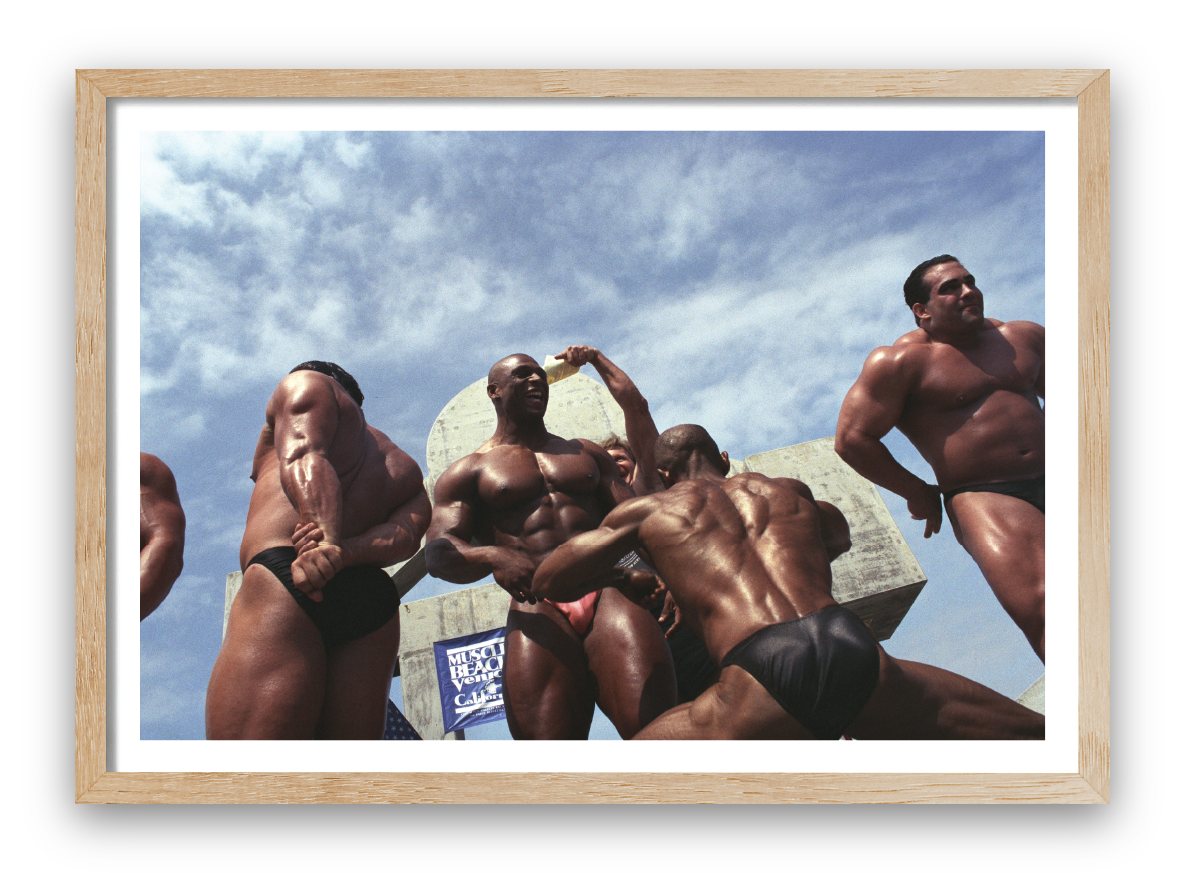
[499, 370]
[676, 445]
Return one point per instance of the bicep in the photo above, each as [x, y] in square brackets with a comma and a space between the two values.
[642, 435]
[452, 508]
[171, 520]
[875, 403]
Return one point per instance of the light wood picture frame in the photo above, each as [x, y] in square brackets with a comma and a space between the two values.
[94, 783]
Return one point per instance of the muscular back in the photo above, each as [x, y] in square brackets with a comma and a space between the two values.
[739, 554]
[310, 414]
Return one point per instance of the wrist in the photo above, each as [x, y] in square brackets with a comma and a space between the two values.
[918, 489]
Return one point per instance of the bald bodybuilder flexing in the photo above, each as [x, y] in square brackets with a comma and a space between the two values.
[500, 511]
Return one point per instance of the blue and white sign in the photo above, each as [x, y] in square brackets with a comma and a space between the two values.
[469, 672]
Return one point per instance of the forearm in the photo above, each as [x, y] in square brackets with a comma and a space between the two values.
[568, 589]
[578, 567]
[452, 560]
[871, 459]
[312, 485]
[381, 546]
[620, 386]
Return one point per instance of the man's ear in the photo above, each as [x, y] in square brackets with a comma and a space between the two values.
[919, 311]
[665, 475]
[491, 390]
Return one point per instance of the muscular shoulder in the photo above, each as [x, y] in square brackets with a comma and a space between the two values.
[1027, 332]
[901, 362]
[798, 487]
[156, 476]
[459, 478]
[598, 453]
[760, 483]
[302, 392]
[401, 466]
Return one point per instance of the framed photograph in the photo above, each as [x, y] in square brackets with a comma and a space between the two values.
[1097, 808]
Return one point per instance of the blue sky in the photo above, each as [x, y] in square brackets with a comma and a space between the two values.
[740, 278]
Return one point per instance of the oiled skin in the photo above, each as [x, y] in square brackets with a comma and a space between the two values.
[745, 553]
[966, 391]
[344, 495]
[162, 533]
[504, 508]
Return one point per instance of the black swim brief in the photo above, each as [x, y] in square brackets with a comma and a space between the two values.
[821, 668]
[1031, 491]
[695, 671]
[355, 602]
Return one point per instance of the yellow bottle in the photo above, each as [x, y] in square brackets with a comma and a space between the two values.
[557, 369]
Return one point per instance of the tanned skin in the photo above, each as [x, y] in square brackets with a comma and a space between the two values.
[344, 495]
[162, 533]
[744, 553]
[502, 510]
[967, 391]
[635, 463]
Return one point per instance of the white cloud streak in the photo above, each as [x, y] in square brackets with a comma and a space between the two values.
[741, 279]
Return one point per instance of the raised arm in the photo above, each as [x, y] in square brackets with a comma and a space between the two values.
[588, 561]
[450, 552]
[640, 430]
[871, 409]
[162, 533]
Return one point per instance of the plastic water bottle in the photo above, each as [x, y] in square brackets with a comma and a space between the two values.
[557, 369]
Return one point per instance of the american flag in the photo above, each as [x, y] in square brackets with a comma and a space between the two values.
[398, 727]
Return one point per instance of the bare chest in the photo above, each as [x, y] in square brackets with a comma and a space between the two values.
[516, 478]
[956, 379]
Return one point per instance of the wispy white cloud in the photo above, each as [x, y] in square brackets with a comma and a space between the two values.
[741, 280]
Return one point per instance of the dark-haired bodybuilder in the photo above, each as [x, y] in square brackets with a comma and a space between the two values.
[162, 533]
[313, 634]
[966, 391]
[749, 560]
[500, 511]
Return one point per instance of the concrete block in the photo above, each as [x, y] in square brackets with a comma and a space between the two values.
[1034, 696]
